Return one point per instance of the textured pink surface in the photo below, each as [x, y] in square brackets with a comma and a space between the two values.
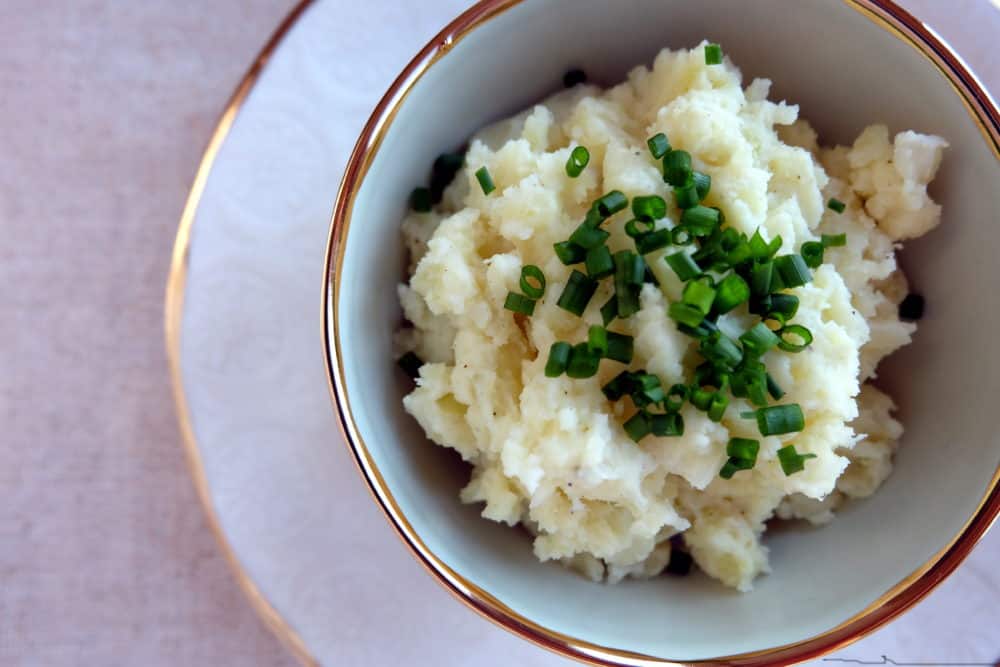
[105, 106]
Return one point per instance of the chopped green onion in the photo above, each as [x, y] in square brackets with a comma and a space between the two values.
[588, 237]
[529, 273]
[443, 173]
[619, 347]
[593, 217]
[558, 360]
[621, 385]
[812, 254]
[420, 200]
[410, 363]
[680, 563]
[570, 253]
[793, 271]
[833, 240]
[761, 249]
[659, 145]
[582, 362]
[722, 351]
[774, 389]
[670, 424]
[485, 180]
[653, 241]
[577, 293]
[743, 448]
[683, 265]
[574, 77]
[717, 406]
[611, 203]
[681, 235]
[780, 419]
[647, 389]
[634, 268]
[760, 277]
[675, 398]
[638, 427]
[702, 184]
[730, 293]
[578, 159]
[629, 273]
[700, 294]
[759, 339]
[791, 461]
[911, 307]
[686, 195]
[713, 54]
[519, 303]
[649, 208]
[599, 262]
[836, 205]
[701, 398]
[685, 314]
[700, 220]
[597, 341]
[794, 330]
[676, 167]
[609, 311]
[757, 391]
[636, 228]
[782, 307]
[739, 254]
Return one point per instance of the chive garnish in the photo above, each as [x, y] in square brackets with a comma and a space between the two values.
[659, 145]
[531, 273]
[519, 303]
[578, 159]
[577, 293]
[558, 359]
[836, 205]
[713, 54]
[780, 419]
[791, 461]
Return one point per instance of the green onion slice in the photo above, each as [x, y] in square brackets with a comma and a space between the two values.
[577, 293]
[587, 236]
[659, 145]
[790, 333]
[670, 424]
[621, 385]
[836, 205]
[653, 241]
[713, 54]
[780, 419]
[682, 264]
[619, 347]
[638, 427]
[686, 195]
[582, 362]
[558, 360]
[759, 339]
[529, 273]
[791, 461]
[701, 220]
[812, 254]
[609, 311]
[599, 262]
[519, 303]
[676, 167]
[649, 208]
[700, 294]
[730, 293]
[793, 271]
[570, 253]
[579, 157]
[702, 184]
[611, 203]
[637, 228]
[485, 180]
[833, 240]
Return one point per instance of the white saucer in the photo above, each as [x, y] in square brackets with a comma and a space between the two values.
[312, 550]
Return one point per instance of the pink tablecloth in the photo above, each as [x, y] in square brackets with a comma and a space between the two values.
[105, 105]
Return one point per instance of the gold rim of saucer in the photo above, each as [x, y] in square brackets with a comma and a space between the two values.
[900, 597]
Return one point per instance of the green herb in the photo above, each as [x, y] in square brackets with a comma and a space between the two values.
[611, 203]
[788, 335]
[653, 241]
[812, 254]
[649, 208]
[558, 360]
[599, 262]
[780, 419]
[570, 253]
[577, 293]
[638, 427]
[532, 273]
[578, 159]
[670, 424]
[676, 167]
[582, 362]
[519, 304]
[836, 205]
[730, 293]
[659, 145]
[619, 347]
[485, 180]
[713, 54]
[791, 461]
[683, 265]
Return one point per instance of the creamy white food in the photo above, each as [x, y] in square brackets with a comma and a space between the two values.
[551, 453]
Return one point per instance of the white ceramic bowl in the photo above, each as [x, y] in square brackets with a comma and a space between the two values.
[847, 64]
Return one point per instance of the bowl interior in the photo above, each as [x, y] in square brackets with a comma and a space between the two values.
[845, 72]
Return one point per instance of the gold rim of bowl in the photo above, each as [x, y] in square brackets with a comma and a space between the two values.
[907, 592]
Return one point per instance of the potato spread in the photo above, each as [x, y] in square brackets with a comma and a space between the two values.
[552, 453]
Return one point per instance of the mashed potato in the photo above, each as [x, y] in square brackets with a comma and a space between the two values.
[551, 453]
